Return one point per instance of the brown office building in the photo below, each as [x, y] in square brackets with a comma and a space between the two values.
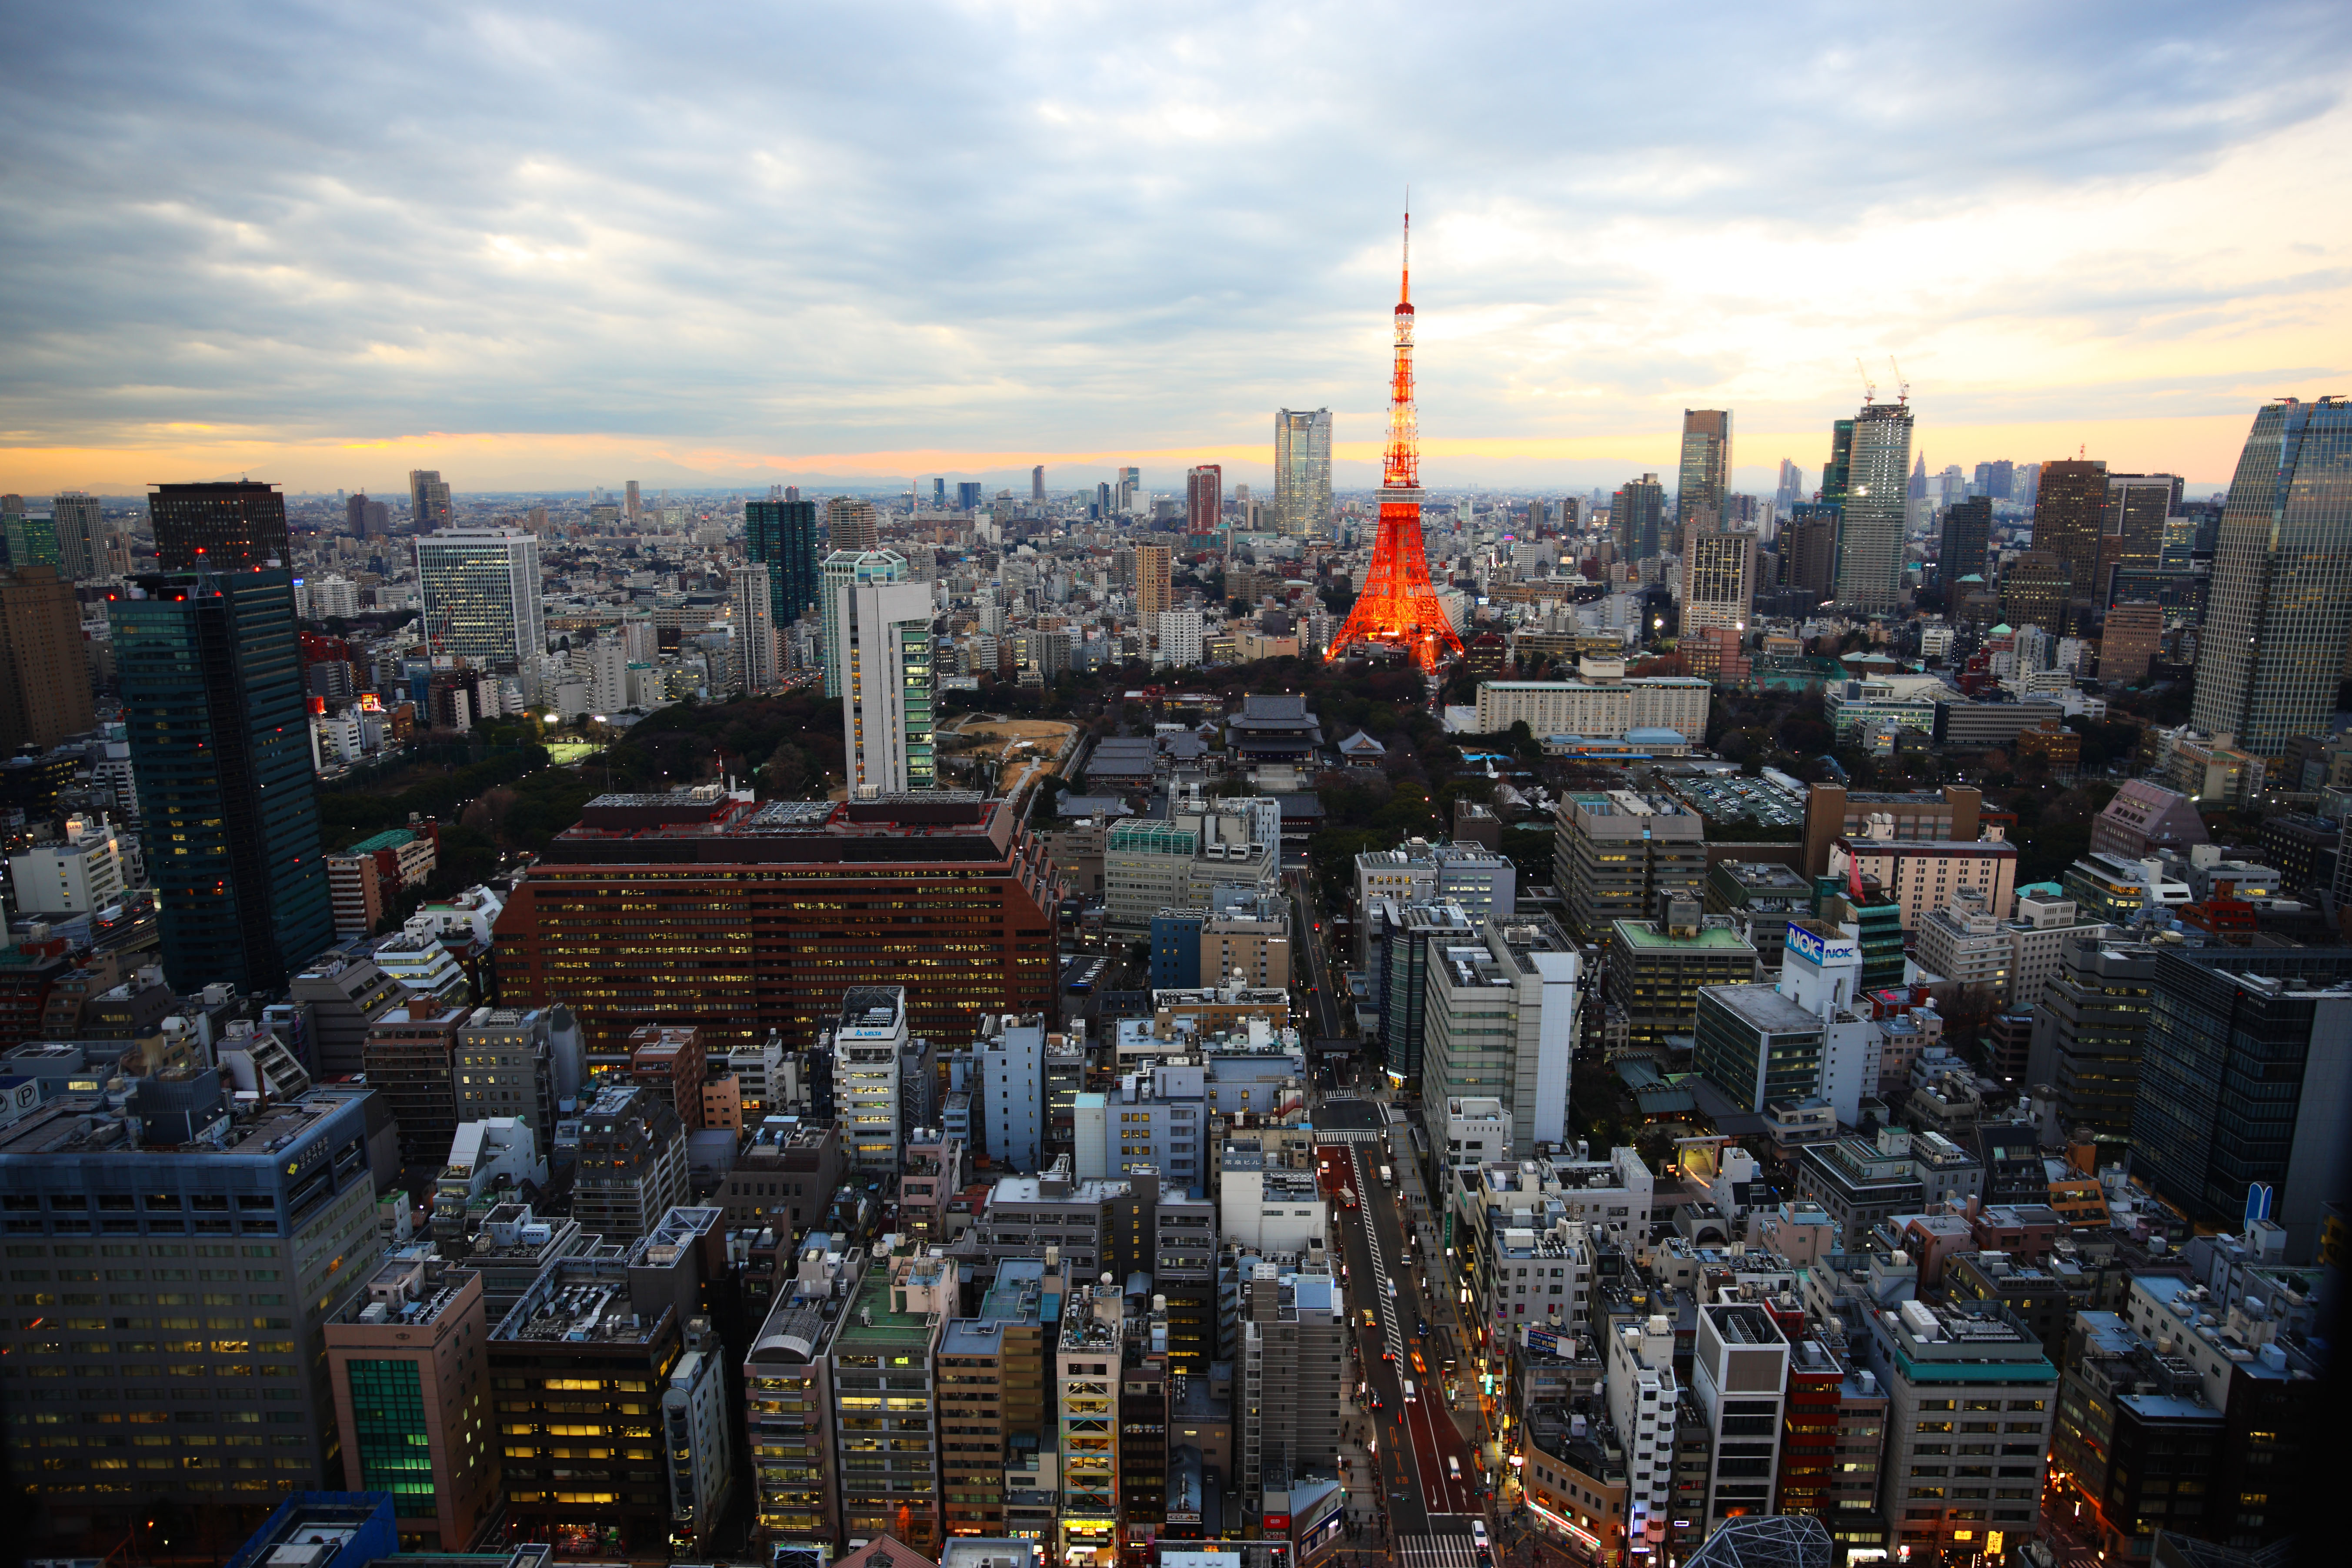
[2069, 517]
[43, 668]
[745, 917]
[1833, 812]
[668, 1060]
[411, 1060]
[227, 527]
[413, 1400]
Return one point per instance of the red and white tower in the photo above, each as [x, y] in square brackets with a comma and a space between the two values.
[1397, 605]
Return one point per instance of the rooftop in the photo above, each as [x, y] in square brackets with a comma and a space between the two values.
[1652, 935]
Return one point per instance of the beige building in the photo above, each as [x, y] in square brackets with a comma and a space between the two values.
[1605, 708]
[1718, 579]
[1620, 856]
[412, 1389]
[1966, 944]
[1153, 572]
[1922, 876]
[2037, 942]
[1251, 940]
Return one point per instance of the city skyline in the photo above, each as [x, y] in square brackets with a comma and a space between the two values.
[528, 292]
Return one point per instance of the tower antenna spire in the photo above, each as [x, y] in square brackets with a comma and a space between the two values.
[1404, 291]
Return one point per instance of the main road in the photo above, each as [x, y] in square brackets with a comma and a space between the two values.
[1427, 1471]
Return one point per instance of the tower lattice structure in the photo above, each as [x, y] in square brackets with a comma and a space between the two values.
[1397, 605]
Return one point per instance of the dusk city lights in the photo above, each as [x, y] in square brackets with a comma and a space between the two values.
[971, 784]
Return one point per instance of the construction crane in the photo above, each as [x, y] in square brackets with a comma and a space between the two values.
[1902, 387]
[1869, 387]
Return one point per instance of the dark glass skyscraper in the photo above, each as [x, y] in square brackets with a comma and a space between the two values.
[225, 526]
[1840, 468]
[2280, 610]
[1703, 485]
[1635, 513]
[781, 536]
[1967, 533]
[2066, 518]
[213, 698]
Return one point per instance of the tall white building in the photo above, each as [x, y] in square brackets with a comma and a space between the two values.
[1013, 1082]
[1500, 1023]
[755, 628]
[482, 595]
[1642, 1395]
[867, 1040]
[1739, 1366]
[1181, 635]
[878, 653]
[81, 876]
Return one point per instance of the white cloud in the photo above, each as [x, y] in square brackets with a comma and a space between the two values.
[837, 229]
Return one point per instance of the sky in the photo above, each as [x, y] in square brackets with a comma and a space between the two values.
[555, 245]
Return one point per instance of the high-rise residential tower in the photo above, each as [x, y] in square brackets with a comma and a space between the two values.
[1204, 497]
[2281, 607]
[884, 669]
[1718, 576]
[482, 598]
[219, 728]
[781, 536]
[632, 508]
[2066, 516]
[225, 526]
[1154, 579]
[428, 499]
[43, 671]
[1870, 536]
[852, 525]
[752, 604]
[842, 568]
[1636, 514]
[1037, 484]
[1302, 470]
[1703, 485]
[1967, 533]
[81, 535]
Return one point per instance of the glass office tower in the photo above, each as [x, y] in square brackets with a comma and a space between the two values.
[482, 596]
[1870, 537]
[218, 721]
[1302, 470]
[781, 536]
[2280, 613]
[1702, 488]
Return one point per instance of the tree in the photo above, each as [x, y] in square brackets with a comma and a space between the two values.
[786, 775]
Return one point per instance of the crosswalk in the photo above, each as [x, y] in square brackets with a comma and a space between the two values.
[1437, 1552]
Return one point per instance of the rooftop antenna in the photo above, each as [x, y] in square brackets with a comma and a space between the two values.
[1903, 387]
[1869, 387]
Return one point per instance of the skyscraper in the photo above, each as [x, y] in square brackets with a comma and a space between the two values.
[967, 495]
[1809, 548]
[44, 672]
[81, 535]
[1967, 533]
[1204, 497]
[2280, 606]
[1130, 479]
[224, 527]
[219, 728]
[781, 536]
[1840, 468]
[1790, 490]
[885, 664]
[1037, 484]
[1718, 577]
[842, 569]
[428, 500]
[1302, 470]
[1918, 488]
[482, 596]
[753, 605]
[1703, 485]
[1635, 514]
[851, 524]
[632, 507]
[1870, 537]
[1154, 582]
[2066, 516]
[2131, 529]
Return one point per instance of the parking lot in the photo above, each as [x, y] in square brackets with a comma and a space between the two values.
[1729, 797]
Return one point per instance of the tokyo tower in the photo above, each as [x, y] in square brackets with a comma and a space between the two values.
[1397, 606]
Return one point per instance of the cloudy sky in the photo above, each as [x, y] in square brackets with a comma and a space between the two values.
[561, 244]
